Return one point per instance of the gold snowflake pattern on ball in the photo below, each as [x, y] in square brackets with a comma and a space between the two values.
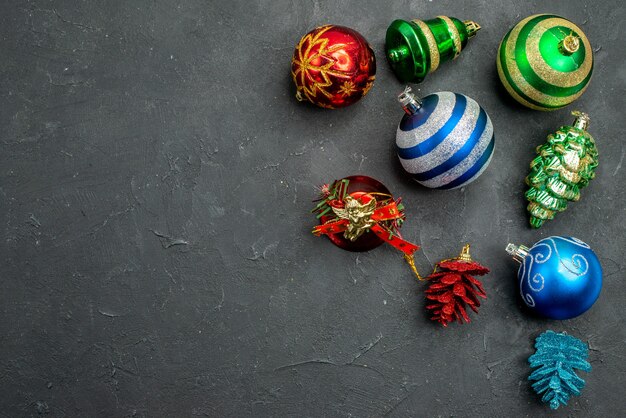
[347, 88]
[304, 64]
[369, 85]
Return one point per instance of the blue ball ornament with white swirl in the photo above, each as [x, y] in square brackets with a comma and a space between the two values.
[559, 277]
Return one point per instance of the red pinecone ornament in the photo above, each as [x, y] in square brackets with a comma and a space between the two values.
[453, 288]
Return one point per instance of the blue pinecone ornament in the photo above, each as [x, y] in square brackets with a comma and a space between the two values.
[556, 358]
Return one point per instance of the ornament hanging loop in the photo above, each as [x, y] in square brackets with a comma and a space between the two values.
[410, 103]
[465, 254]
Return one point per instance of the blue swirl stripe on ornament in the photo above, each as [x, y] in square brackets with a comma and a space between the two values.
[448, 143]
[419, 158]
[429, 144]
[461, 154]
[426, 121]
[476, 170]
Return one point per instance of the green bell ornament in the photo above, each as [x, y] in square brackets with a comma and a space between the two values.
[545, 62]
[564, 165]
[416, 48]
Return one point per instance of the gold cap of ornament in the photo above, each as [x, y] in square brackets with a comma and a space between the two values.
[569, 44]
[465, 254]
[471, 27]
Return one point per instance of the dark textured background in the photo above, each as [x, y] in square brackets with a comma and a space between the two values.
[156, 180]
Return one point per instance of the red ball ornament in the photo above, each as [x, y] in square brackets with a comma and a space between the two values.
[358, 213]
[360, 188]
[333, 66]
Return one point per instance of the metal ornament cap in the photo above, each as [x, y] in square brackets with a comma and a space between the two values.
[559, 277]
[582, 120]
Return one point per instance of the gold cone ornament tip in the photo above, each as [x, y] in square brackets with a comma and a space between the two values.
[472, 27]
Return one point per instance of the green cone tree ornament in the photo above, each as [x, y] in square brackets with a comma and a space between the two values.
[564, 165]
[545, 62]
[416, 48]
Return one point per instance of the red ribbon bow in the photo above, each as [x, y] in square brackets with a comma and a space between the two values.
[386, 211]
